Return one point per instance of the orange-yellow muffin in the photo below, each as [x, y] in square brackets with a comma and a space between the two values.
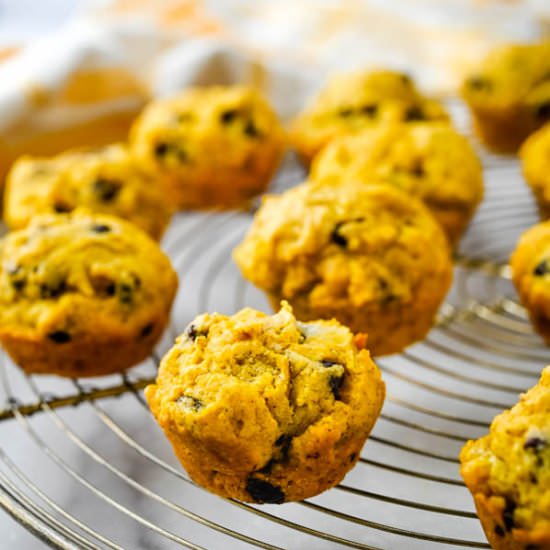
[509, 94]
[210, 147]
[103, 180]
[82, 294]
[530, 265]
[267, 408]
[508, 473]
[352, 102]
[535, 159]
[430, 161]
[370, 256]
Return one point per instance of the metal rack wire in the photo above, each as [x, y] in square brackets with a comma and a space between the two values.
[83, 465]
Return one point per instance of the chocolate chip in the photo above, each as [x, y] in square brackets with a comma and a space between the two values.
[338, 238]
[369, 110]
[61, 208]
[541, 269]
[52, 290]
[263, 492]
[543, 111]
[101, 228]
[335, 385]
[110, 289]
[17, 277]
[163, 149]
[106, 189]
[59, 336]
[302, 338]
[328, 363]
[284, 442]
[499, 531]
[508, 514]
[250, 130]
[352, 457]
[190, 402]
[418, 170]
[192, 332]
[227, 117]
[346, 112]
[479, 83]
[125, 293]
[147, 330]
[414, 113]
[19, 284]
[535, 443]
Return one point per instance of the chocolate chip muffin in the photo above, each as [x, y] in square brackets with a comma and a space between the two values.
[267, 409]
[430, 161]
[352, 102]
[509, 94]
[535, 158]
[370, 256]
[210, 147]
[104, 180]
[530, 265]
[508, 473]
[82, 294]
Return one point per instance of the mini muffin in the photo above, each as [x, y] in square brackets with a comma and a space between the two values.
[210, 147]
[509, 94]
[352, 102]
[530, 265]
[82, 294]
[370, 256]
[430, 161]
[102, 180]
[535, 157]
[267, 409]
[508, 473]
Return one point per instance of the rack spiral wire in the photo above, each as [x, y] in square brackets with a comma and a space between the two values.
[107, 478]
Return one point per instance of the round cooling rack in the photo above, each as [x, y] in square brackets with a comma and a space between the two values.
[84, 465]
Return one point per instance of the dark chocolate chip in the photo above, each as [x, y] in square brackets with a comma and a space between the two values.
[369, 110]
[19, 284]
[61, 208]
[302, 338]
[227, 117]
[163, 149]
[52, 290]
[125, 293]
[106, 189]
[508, 514]
[250, 130]
[499, 531]
[110, 289]
[479, 83]
[535, 443]
[414, 113]
[59, 336]
[190, 402]
[262, 491]
[541, 269]
[137, 281]
[192, 333]
[268, 467]
[418, 170]
[338, 238]
[328, 363]
[101, 228]
[543, 111]
[147, 330]
[335, 385]
[352, 457]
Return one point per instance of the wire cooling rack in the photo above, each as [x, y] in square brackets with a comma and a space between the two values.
[83, 464]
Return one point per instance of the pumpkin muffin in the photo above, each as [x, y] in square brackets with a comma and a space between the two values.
[508, 473]
[82, 294]
[530, 265]
[104, 180]
[370, 256]
[430, 161]
[210, 147]
[352, 102]
[535, 158]
[267, 409]
[509, 94]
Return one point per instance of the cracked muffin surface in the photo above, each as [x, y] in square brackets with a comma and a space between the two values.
[509, 94]
[430, 161]
[209, 147]
[508, 473]
[267, 408]
[104, 180]
[530, 264]
[82, 294]
[352, 102]
[370, 256]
